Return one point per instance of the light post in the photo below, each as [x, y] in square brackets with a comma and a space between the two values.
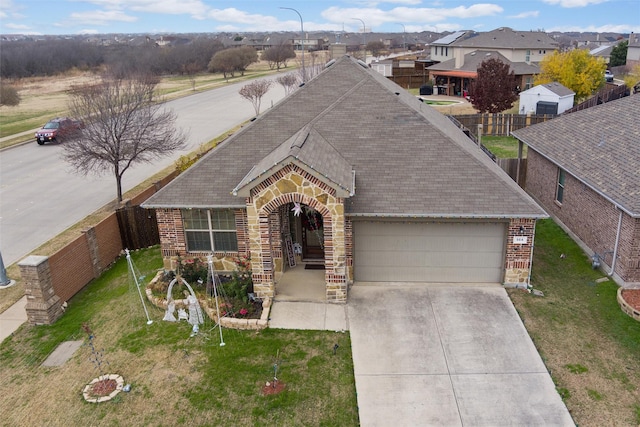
[364, 38]
[404, 37]
[304, 72]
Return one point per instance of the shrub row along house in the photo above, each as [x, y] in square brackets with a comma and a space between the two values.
[584, 168]
[363, 178]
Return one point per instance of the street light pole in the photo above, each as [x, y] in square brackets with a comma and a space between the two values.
[404, 37]
[304, 72]
[364, 38]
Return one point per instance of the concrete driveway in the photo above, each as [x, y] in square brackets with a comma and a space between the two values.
[449, 355]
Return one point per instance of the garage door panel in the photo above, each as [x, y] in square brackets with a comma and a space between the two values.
[429, 252]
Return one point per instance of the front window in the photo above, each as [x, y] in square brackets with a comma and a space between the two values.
[527, 56]
[210, 230]
[560, 186]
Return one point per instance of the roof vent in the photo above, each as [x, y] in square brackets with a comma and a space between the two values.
[398, 93]
[364, 64]
[330, 63]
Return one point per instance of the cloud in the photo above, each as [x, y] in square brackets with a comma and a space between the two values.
[606, 28]
[531, 14]
[421, 16]
[574, 3]
[101, 17]
[17, 27]
[234, 16]
[196, 8]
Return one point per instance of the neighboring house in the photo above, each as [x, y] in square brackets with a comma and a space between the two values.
[455, 80]
[633, 50]
[516, 46]
[461, 53]
[584, 168]
[363, 178]
[603, 51]
[550, 98]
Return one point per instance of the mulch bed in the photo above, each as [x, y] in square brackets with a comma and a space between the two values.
[632, 297]
[103, 387]
[273, 388]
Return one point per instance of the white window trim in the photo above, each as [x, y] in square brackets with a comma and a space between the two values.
[561, 174]
[211, 232]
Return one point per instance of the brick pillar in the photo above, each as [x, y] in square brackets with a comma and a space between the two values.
[92, 242]
[43, 305]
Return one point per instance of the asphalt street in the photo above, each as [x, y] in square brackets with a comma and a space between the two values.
[41, 196]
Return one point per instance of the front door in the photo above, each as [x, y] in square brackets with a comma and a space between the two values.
[312, 235]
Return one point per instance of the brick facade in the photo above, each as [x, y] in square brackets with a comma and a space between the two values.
[592, 218]
[261, 226]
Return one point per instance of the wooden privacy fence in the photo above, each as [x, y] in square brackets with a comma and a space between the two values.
[138, 227]
[500, 124]
[510, 166]
[603, 96]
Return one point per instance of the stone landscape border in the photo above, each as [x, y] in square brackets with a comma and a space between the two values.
[226, 322]
[86, 392]
[626, 307]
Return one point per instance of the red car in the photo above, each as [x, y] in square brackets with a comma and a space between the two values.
[57, 130]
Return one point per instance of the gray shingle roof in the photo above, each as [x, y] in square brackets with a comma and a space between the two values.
[559, 89]
[600, 146]
[409, 159]
[474, 59]
[507, 38]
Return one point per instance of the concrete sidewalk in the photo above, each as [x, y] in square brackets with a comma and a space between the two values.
[308, 315]
[12, 318]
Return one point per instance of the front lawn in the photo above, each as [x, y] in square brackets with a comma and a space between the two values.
[175, 379]
[591, 348]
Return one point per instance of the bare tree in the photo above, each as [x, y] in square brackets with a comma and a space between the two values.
[376, 47]
[254, 92]
[289, 82]
[124, 125]
[278, 55]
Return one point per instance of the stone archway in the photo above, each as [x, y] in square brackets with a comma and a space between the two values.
[294, 185]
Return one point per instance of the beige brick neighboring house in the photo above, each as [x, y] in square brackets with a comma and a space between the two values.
[365, 180]
[584, 168]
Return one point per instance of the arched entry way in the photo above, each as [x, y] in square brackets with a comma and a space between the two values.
[272, 227]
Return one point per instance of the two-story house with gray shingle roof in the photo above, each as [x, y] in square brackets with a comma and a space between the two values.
[584, 168]
[522, 50]
[360, 177]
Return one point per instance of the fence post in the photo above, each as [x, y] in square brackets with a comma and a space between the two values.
[43, 305]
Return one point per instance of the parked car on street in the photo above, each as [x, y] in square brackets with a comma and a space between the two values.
[608, 76]
[57, 130]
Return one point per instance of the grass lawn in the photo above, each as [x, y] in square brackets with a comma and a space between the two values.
[504, 147]
[175, 379]
[591, 348]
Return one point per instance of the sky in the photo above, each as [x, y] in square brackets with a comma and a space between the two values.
[49, 17]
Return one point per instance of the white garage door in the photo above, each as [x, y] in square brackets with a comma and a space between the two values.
[428, 252]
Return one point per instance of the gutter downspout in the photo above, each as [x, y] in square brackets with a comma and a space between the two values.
[533, 237]
[615, 247]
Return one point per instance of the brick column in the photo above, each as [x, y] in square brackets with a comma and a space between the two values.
[43, 305]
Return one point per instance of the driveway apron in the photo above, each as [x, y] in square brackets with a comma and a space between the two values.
[447, 355]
